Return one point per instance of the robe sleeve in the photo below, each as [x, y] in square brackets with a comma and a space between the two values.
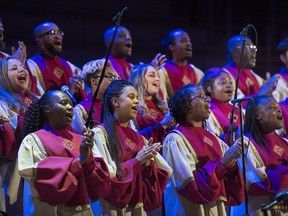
[199, 185]
[157, 131]
[262, 180]
[54, 178]
[97, 178]
[122, 190]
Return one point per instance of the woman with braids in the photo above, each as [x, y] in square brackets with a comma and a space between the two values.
[138, 173]
[267, 155]
[152, 119]
[91, 74]
[219, 85]
[57, 163]
[206, 176]
[17, 90]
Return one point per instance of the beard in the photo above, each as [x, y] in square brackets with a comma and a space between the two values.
[51, 49]
[2, 45]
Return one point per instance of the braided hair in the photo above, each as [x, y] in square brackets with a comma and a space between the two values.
[180, 102]
[251, 124]
[35, 117]
[114, 90]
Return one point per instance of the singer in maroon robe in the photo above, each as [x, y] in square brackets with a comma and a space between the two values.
[51, 70]
[205, 174]
[57, 163]
[267, 156]
[138, 172]
[91, 73]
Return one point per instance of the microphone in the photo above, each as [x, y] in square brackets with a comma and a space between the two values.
[281, 196]
[65, 89]
[119, 14]
[245, 30]
[240, 100]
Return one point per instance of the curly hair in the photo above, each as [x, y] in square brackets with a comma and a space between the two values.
[180, 102]
[114, 90]
[35, 118]
[251, 124]
[138, 80]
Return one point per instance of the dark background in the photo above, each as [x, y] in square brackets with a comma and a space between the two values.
[210, 24]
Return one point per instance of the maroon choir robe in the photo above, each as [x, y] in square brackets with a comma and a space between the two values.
[180, 75]
[96, 115]
[149, 123]
[248, 83]
[139, 184]
[61, 179]
[56, 72]
[274, 154]
[212, 181]
[121, 66]
[10, 139]
[284, 107]
[222, 112]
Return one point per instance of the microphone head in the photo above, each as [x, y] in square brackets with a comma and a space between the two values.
[282, 195]
[64, 88]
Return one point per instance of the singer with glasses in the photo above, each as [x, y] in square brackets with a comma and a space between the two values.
[91, 72]
[267, 155]
[250, 83]
[206, 176]
[51, 70]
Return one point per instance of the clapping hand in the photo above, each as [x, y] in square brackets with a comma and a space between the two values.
[148, 152]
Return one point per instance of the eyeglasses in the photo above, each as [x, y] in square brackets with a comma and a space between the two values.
[202, 96]
[109, 76]
[248, 47]
[53, 33]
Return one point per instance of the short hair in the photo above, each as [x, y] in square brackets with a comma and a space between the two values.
[282, 46]
[169, 39]
[209, 76]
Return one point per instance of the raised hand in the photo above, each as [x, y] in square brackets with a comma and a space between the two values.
[75, 83]
[20, 53]
[232, 154]
[159, 60]
[86, 145]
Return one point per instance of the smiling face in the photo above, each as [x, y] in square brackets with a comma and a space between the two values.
[200, 103]
[126, 105]
[49, 39]
[60, 111]
[222, 88]
[17, 75]
[269, 115]
[152, 78]
[122, 46]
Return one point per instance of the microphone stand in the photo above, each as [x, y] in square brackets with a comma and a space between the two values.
[230, 132]
[89, 123]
